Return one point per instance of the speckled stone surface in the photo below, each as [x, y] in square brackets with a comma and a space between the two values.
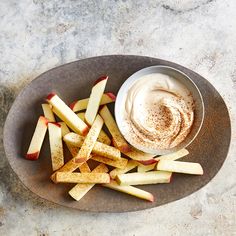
[38, 35]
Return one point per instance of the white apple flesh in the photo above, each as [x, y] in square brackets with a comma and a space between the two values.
[82, 178]
[145, 168]
[180, 167]
[152, 177]
[95, 99]
[37, 139]
[56, 147]
[130, 190]
[47, 111]
[173, 156]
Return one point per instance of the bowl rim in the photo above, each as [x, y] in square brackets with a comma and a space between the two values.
[130, 81]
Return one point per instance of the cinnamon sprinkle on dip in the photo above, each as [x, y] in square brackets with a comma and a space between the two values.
[158, 112]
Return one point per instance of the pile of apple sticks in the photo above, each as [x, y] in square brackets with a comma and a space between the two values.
[83, 134]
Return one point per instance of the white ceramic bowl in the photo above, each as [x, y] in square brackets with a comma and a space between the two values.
[181, 77]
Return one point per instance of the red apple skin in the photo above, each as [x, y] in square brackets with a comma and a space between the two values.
[148, 162]
[32, 156]
[45, 120]
[112, 96]
[151, 198]
[50, 96]
[72, 105]
[80, 160]
[125, 148]
[100, 79]
[55, 123]
[86, 130]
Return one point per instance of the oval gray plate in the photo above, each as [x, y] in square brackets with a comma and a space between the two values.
[73, 81]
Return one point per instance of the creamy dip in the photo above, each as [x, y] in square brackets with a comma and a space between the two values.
[158, 112]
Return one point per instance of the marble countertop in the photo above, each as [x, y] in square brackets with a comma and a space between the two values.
[36, 35]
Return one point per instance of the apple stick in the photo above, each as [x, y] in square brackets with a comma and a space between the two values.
[79, 190]
[82, 104]
[137, 155]
[152, 177]
[122, 145]
[99, 148]
[95, 99]
[173, 156]
[64, 129]
[67, 115]
[106, 151]
[117, 171]
[37, 139]
[121, 163]
[74, 150]
[130, 190]
[47, 111]
[180, 167]
[59, 115]
[56, 148]
[102, 137]
[82, 178]
[148, 162]
[145, 168]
